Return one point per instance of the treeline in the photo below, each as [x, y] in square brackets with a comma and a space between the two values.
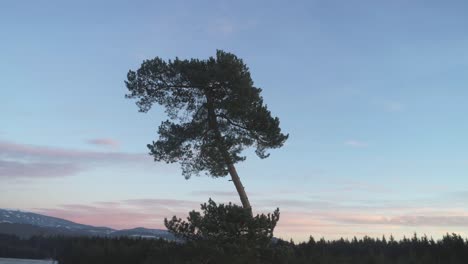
[86, 250]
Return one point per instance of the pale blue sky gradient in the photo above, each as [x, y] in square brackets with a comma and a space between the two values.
[373, 94]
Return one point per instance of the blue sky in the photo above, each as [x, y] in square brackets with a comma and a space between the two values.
[372, 93]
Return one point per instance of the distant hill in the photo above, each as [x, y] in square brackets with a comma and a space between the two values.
[26, 224]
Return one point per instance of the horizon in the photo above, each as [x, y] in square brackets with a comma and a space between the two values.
[283, 238]
[373, 96]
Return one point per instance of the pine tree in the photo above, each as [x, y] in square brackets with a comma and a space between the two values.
[214, 110]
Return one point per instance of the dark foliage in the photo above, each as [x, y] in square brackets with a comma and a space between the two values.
[214, 109]
[225, 224]
[452, 249]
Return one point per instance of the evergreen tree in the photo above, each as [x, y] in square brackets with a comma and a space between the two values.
[225, 224]
[214, 110]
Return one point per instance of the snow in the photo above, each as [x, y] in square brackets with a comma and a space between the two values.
[25, 261]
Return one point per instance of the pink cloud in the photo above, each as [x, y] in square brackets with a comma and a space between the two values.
[115, 218]
[25, 151]
[171, 205]
[23, 160]
[125, 214]
[13, 169]
[409, 220]
[324, 221]
[333, 225]
[208, 193]
[105, 142]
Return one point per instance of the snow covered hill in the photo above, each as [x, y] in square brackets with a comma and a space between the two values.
[14, 220]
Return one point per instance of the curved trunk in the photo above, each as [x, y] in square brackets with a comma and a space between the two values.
[240, 188]
[213, 124]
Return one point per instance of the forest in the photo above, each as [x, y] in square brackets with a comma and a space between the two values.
[89, 250]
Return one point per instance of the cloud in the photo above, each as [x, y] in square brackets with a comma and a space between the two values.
[13, 169]
[30, 161]
[123, 214]
[348, 217]
[25, 151]
[353, 186]
[295, 204]
[408, 220]
[171, 204]
[356, 143]
[119, 218]
[105, 142]
[149, 212]
[335, 224]
[299, 219]
[216, 193]
[235, 195]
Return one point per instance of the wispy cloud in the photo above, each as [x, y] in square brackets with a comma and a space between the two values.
[299, 218]
[212, 193]
[408, 220]
[104, 142]
[30, 161]
[26, 151]
[356, 143]
[115, 217]
[295, 204]
[353, 186]
[123, 214]
[13, 169]
[155, 204]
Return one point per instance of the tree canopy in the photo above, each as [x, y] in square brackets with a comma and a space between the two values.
[195, 93]
[214, 110]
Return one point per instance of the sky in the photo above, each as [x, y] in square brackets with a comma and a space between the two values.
[373, 95]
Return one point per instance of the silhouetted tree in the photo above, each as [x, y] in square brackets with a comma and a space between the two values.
[214, 110]
[226, 230]
[225, 224]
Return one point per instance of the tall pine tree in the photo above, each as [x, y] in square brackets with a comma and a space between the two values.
[214, 110]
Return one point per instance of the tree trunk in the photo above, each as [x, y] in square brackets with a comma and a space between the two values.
[240, 188]
[213, 124]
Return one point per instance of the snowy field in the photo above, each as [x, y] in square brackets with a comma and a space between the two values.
[26, 261]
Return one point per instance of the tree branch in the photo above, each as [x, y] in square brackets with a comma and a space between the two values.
[231, 122]
[165, 85]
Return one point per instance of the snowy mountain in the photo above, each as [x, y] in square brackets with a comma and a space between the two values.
[27, 223]
[20, 217]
